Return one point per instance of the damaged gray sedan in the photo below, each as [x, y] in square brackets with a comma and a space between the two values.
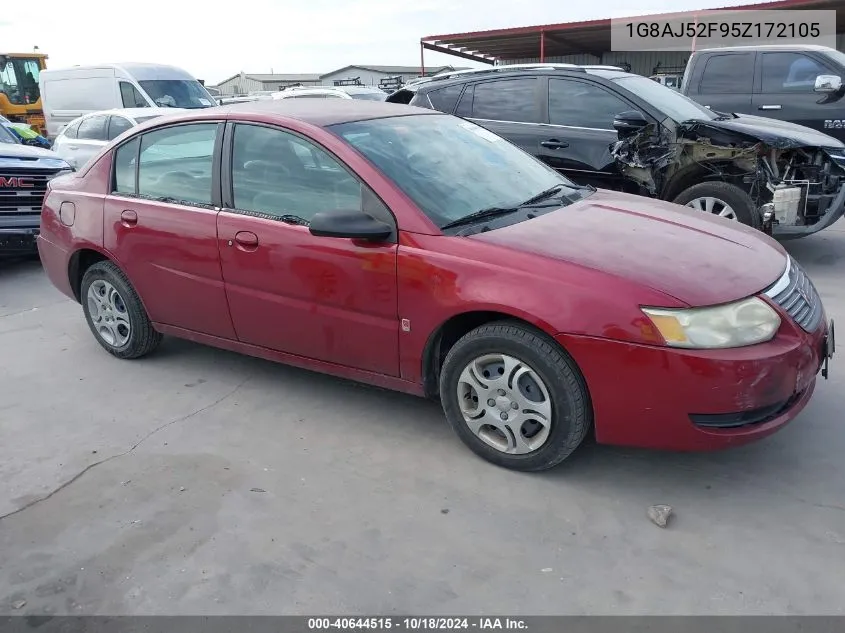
[783, 178]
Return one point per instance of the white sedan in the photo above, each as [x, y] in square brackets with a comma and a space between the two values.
[83, 138]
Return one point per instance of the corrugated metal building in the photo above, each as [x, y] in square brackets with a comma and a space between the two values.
[249, 82]
[371, 75]
[588, 42]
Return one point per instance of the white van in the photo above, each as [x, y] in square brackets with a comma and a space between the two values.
[69, 93]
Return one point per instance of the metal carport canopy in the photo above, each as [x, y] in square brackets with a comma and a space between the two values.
[568, 38]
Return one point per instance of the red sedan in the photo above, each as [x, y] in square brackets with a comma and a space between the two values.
[417, 251]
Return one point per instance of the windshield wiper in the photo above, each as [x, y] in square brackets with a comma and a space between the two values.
[548, 193]
[482, 214]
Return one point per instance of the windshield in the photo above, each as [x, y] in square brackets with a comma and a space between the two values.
[450, 167]
[19, 80]
[671, 103]
[6, 136]
[178, 93]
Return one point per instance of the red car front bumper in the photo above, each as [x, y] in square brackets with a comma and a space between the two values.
[667, 398]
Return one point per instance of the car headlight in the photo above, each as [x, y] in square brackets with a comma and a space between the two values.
[736, 324]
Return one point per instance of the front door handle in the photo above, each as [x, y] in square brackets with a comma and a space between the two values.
[554, 143]
[129, 218]
[769, 107]
[246, 240]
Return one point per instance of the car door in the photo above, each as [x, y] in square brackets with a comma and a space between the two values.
[785, 91]
[160, 222]
[507, 107]
[90, 139]
[724, 83]
[579, 131]
[323, 298]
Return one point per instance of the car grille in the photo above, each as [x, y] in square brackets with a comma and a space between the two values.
[16, 200]
[796, 294]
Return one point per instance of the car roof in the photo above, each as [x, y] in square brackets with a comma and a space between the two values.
[320, 112]
[769, 47]
[142, 112]
[549, 70]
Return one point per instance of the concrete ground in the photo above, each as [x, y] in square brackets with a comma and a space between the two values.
[202, 482]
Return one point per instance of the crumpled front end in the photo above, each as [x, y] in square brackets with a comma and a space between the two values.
[797, 189]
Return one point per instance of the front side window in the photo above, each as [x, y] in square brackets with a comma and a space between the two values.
[130, 96]
[93, 128]
[506, 100]
[19, 80]
[176, 163]
[579, 104]
[790, 72]
[728, 74]
[450, 167]
[279, 174]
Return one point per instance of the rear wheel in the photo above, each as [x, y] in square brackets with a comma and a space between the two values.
[722, 199]
[514, 397]
[115, 314]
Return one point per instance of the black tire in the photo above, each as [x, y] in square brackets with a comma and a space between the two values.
[143, 338]
[570, 404]
[739, 201]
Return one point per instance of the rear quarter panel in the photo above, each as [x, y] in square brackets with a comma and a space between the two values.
[79, 225]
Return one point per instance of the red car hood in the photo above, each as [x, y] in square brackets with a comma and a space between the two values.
[696, 258]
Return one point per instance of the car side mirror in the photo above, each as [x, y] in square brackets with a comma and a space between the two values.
[350, 224]
[628, 122]
[828, 83]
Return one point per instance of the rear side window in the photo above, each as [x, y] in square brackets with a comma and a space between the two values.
[117, 126]
[130, 96]
[728, 73]
[506, 100]
[790, 72]
[71, 130]
[93, 128]
[176, 163]
[445, 99]
[125, 162]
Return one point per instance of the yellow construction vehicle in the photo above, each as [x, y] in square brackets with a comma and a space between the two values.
[20, 97]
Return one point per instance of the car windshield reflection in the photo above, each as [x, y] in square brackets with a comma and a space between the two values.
[449, 167]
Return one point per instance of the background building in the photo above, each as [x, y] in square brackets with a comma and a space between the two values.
[243, 83]
[248, 82]
[372, 75]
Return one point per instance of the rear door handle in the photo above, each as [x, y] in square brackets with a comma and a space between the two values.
[246, 240]
[769, 107]
[554, 143]
[129, 218]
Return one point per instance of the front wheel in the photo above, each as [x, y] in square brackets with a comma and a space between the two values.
[514, 397]
[722, 199]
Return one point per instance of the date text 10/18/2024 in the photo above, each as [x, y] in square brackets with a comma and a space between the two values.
[416, 623]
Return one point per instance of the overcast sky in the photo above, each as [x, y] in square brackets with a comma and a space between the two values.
[213, 41]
